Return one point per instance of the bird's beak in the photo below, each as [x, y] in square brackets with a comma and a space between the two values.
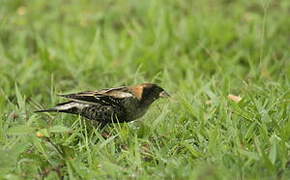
[164, 94]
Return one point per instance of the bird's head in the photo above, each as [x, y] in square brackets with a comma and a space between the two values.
[147, 93]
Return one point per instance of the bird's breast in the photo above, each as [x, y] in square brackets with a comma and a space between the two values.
[133, 109]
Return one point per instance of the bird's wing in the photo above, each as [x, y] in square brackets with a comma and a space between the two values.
[104, 96]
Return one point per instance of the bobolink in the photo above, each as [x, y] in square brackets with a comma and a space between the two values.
[121, 104]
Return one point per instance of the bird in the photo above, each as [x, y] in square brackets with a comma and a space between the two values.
[113, 105]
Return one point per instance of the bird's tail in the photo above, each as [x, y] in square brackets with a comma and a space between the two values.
[46, 110]
[68, 107]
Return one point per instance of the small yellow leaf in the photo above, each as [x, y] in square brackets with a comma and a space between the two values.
[234, 98]
[39, 134]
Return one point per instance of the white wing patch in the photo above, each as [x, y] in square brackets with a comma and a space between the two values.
[70, 105]
[118, 94]
[115, 92]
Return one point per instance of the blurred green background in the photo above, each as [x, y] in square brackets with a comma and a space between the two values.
[200, 51]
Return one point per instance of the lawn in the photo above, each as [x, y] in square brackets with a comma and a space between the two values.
[199, 51]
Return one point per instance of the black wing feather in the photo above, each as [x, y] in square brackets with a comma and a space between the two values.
[104, 96]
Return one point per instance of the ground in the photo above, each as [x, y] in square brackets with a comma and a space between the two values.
[225, 63]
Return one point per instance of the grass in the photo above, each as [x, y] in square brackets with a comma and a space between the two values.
[199, 51]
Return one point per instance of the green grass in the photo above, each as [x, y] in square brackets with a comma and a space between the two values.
[200, 51]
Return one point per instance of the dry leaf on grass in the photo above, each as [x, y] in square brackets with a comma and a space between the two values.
[234, 98]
